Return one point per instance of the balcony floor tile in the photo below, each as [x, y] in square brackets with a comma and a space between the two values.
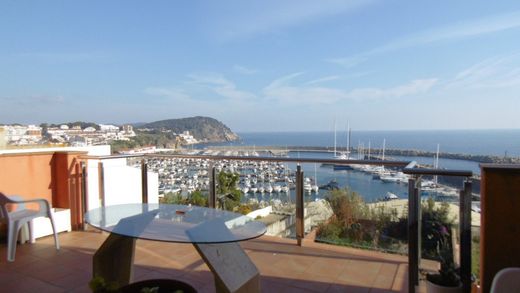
[284, 266]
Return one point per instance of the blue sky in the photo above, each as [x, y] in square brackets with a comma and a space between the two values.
[263, 65]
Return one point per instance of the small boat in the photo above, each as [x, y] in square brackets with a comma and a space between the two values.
[390, 196]
[332, 185]
[269, 188]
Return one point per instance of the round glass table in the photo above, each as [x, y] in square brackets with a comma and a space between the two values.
[175, 223]
[214, 233]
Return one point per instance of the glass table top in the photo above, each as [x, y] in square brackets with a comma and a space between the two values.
[175, 223]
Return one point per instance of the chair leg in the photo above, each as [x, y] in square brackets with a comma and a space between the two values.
[56, 241]
[12, 238]
[31, 231]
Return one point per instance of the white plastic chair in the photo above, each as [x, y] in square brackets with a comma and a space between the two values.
[18, 218]
[506, 281]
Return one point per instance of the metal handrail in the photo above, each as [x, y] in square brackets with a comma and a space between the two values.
[409, 167]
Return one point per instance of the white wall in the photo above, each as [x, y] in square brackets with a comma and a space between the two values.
[122, 184]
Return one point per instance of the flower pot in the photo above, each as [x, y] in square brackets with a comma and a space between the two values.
[434, 288]
[165, 285]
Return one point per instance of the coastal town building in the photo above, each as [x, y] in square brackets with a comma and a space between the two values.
[19, 135]
[188, 138]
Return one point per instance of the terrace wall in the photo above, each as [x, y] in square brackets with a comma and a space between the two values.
[54, 176]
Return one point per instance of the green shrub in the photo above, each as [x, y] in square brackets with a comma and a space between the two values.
[347, 206]
[244, 209]
[332, 230]
[198, 199]
[173, 198]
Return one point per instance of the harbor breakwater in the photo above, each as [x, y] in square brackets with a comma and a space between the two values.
[376, 153]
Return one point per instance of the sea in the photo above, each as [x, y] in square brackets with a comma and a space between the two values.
[504, 142]
[475, 142]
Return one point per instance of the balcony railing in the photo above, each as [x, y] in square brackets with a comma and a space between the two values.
[409, 168]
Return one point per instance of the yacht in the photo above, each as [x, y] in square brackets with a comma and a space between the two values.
[307, 187]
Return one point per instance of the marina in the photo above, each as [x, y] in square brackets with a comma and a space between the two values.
[273, 182]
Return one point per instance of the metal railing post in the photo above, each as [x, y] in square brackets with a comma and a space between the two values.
[101, 184]
[465, 236]
[300, 232]
[84, 193]
[144, 181]
[414, 232]
[212, 200]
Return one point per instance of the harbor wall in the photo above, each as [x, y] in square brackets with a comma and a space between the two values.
[388, 152]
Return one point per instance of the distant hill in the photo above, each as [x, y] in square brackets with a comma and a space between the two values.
[202, 128]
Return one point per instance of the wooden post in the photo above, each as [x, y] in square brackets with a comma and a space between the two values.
[465, 236]
[212, 201]
[84, 193]
[101, 184]
[300, 231]
[144, 181]
[414, 233]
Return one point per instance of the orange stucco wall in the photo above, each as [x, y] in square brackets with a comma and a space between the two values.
[500, 218]
[52, 175]
[28, 175]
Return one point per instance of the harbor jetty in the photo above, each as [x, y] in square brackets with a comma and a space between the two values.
[284, 150]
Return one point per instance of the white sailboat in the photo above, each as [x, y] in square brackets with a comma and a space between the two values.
[315, 188]
[307, 187]
[436, 163]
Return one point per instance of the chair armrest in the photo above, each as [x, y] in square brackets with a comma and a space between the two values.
[44, 204]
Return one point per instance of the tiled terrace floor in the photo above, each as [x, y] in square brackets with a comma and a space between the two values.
[284, 266]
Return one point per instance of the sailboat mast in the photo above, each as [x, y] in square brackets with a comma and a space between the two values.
[437, 157]
[384, 145]
[315, 175]
[369, 149]
[348, 140]
[335, 138]
[436, 164]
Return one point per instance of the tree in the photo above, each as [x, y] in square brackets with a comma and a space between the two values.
[228, 194]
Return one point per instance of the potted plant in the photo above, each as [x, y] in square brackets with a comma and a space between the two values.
[99, 285]
[447, 280]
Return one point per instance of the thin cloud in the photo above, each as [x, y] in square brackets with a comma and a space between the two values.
[283, 80]
[283, 91]
[244, 70]
[349, 62]
[261, 17]
[473, 28]
[324, 79]
[414, 87]
[496, 72]
[171, 93]
[221, 86]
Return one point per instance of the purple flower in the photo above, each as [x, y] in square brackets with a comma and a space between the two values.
[443, 230]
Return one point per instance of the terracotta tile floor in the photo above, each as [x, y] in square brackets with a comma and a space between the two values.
[284, 266]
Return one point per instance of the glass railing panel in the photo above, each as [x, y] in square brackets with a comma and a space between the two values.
[369, 211]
